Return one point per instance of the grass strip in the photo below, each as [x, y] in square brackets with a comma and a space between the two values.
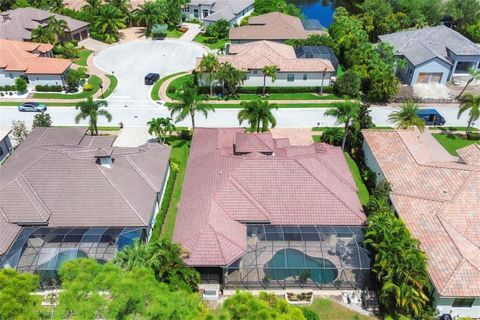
[362, 188]
[111, 86]
[154, 93]
[220, 44]
[279, 105]
[83, 57]
[48, 104]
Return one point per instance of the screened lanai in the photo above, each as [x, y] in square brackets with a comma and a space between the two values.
[42, 250]
[305, 256]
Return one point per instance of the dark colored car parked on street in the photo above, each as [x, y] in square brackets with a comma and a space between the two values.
[431, 117]
[151, 78]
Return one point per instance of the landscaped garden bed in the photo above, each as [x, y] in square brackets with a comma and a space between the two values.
[304, 298]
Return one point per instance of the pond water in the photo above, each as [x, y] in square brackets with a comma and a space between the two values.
[321, 10]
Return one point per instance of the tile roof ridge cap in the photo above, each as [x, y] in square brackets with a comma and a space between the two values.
[140, 172]
[118, 192]
[418, 197]
[45, 219]
[329, 190]
[462, 261]
[353, 187]
[250, 197]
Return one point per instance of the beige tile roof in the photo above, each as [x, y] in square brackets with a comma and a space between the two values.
[54, 179]
[25, 57]
[256, 55]
[271, 26]
[440, 204]
[470, 154]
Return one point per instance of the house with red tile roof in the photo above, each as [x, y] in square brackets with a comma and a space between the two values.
[31, 61]
[64, 195]
[248, 199]
[439, 201]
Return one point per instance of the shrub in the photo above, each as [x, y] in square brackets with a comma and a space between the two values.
[186, 134]
[473, 136]
[159, 30]
[87, 87]
[75, 78]
[348, 84]
[8, 88]
[218, 30]
[333, 136]
[21, 84]
[47, 88]
[258, 90]
[309, 314]
[171, 89]
[42, 120]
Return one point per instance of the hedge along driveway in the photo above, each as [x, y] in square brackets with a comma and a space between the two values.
[93, 80]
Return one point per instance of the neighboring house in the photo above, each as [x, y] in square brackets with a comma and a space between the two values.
[210, 11]
[258, 211]
[5, 144]
[32, 61]
[66, 195]
[439, 203]
[292, 71]
[273, 26]
[79, 4]
[434, 54]
[17, 24]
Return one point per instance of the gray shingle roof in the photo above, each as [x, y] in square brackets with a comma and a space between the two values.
[226, 9]
[422, 45]
[53, 179]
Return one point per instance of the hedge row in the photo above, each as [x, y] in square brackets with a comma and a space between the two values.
[8, 88]
[48, 88]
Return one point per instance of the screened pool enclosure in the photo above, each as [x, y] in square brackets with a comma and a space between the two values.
[301, 256]
[42, 250]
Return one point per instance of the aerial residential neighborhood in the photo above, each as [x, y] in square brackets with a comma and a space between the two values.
[240, 159]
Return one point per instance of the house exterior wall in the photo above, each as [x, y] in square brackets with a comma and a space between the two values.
[8, 77]
[190, 12]
[444, 305]
[371, 162]
[79, 34]
[5, 148]
[45, 79]
[410, 75]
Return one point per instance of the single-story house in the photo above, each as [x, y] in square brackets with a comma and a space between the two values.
[32, 61]
[273, 26]
[292, 71]
[17, 24]
[65, 194]
[5, 144]
[434, 54]
[211, 11]
[256, 211]
[439, 203]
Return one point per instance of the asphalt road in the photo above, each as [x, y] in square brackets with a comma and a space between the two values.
[138, 115]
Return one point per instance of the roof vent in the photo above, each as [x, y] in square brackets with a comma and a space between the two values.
[104, 156]
[5, 17]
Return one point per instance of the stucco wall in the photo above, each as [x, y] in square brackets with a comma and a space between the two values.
[444, 305]
[372, 163]
[434, 65]
[314, 79]
[8, 78]
[45, 79]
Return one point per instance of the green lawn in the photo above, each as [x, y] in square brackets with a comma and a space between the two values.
[286, 96]
[174, 33]
[452, 142]
[83, 57]
[362, 188]
[179, 155]
[216, 45]
[453, 129]
[178, 84]
[156, 87]
[111, 87]
[94, 81]
[280, 106]
[326, 308]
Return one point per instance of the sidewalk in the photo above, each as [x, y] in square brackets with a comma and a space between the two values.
[193, 30]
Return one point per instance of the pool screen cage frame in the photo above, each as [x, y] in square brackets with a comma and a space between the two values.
[336, 251]
[42, 250]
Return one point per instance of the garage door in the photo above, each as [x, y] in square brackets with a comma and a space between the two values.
[429, 77]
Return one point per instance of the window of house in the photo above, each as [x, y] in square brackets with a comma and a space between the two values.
[10, 75]
[463, 303]
[290, 77]
[305, 76]
[255, 71]
[205, 13]
[195, 13]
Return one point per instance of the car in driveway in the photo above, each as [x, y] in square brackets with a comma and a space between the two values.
[431, 117]
[151, 78]
[32, 107]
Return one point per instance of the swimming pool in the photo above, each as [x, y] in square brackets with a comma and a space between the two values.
[292, 262]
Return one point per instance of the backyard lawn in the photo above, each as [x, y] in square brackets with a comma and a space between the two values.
[452, 142]
[216, 45]
[94, 81]
[328, 309]
[83, 57]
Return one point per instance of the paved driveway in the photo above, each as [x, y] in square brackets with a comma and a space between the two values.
[131, 61]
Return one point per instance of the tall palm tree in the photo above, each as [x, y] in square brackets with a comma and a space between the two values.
[150, 14]
[191, 103]
[43, 35]
[258, 114]
[209, 66]
[56, 6]
[470, 103]
[269, 71]
[345, 113]
[109, 20]
[230, 76]
[159, 127]
[475, 74]
[92, 110]
[406, 117]
[58, 28]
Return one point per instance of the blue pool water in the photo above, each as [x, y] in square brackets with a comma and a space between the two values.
[321, 10]
[290, 262]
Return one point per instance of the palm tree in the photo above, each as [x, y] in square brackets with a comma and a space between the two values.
[124, 5]
[345, 113]
[230, 76]
[209, 65]
[92, 6]
[258, 114]
[109, 20]
[159, 127]
[470, 103]
[406, 117]
[91, 109]
[150, 14]
[192, 102]
[269, 71]
[56, 6]
[475, 75]
[43, 35]
[58, 28]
